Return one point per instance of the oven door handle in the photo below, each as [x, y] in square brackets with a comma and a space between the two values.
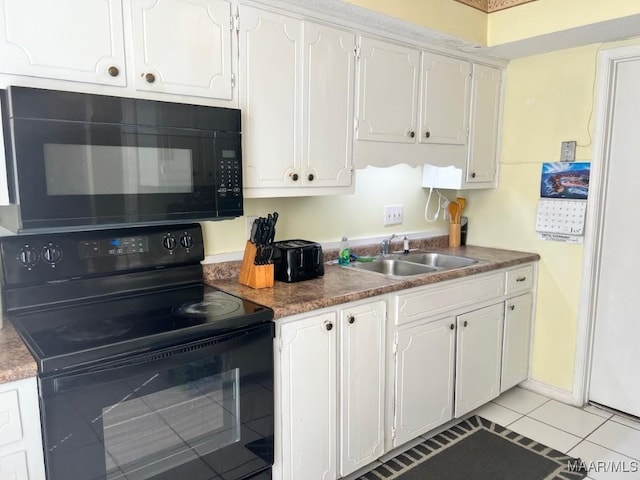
[161, 359]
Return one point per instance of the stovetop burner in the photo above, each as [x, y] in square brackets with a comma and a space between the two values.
[213, 303]
[83, 333]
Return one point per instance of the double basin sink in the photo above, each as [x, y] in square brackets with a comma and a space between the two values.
[413, 263]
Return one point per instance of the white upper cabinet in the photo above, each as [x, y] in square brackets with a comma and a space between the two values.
[270, 97]
[296, 96]
[444, 109]
[388, 91]
[328, 86]
[182, 47]
[485, 123]
[76, 40]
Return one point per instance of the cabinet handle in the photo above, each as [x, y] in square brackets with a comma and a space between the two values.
[328, 326]
[465, 323]
[473, 174]
[150, 77]
[310, 177]
[412, 133]
[521, 279]
[351, 318]
[294, 176]
[512, 307]
[114, 71]
[427, 134]
[452, 326]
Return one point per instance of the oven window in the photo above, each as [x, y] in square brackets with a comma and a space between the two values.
[114, 170]
[149, 434]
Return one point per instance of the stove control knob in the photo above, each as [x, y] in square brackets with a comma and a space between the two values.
[186, 240]
[28, 256]
[52, 254]
[169, 242]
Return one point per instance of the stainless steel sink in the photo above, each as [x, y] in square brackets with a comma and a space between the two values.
[394, 268]
[414, 263]
[441, 261]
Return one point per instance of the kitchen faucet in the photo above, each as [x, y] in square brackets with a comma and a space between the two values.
[384, 246]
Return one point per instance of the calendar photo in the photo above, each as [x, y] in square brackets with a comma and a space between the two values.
[565, 180]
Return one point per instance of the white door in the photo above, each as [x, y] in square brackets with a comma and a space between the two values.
[308, 393]
[182, 47]
[615, 381]
[329, 69]
[387, 92]
[517, 336]
[362, 381]
[478, 358]
[424, 380]
[83, 40]
[485, 121]
[444, 106]
[270, 98]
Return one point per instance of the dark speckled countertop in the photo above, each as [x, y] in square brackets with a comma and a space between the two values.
[339, 285]
[343, 284]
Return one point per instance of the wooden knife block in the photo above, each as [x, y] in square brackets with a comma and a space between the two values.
[255, 276]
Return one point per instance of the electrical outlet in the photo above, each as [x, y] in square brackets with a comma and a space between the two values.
[393, 214]
[249, 223]
[568, 151]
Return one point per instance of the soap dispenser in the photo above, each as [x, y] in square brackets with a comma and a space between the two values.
[344, 255]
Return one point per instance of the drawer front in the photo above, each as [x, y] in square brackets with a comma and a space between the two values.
[520, 279]
[10, 424]
[437, 299]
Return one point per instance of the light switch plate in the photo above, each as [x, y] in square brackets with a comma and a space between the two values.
[393, 214]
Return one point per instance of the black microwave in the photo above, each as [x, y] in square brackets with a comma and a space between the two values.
[79, 161]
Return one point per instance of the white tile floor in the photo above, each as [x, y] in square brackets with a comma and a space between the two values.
[609, 444]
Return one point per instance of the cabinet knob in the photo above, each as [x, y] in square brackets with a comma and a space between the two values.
[452, 326]
[512, 307]
[328, 326]
[465, 323]
[521, 279]
[150, 77]
[473, 174]
[351, 318]
[427, 134]
[114, 71]
[294, 176]
[412, 133]
[310, 177]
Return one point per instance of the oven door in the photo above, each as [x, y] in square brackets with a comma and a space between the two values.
[202, 411]
[82, 173]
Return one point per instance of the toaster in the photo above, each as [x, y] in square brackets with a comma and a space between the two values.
[297, 260]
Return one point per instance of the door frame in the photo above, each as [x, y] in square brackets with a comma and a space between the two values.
[596, 202]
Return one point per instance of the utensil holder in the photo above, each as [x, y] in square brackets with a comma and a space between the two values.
[252, 275]
[454, 234]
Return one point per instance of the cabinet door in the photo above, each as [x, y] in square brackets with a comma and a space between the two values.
[517, 336]
[424, 364]
[270, 98]
[329, 63]
[182, 47]
[485, 121]
[478, 358]
[308, 392]
[387, 92]
[362, 367]
[66, 39]
[444, 106]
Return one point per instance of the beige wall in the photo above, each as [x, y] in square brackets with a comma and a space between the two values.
[327, 218]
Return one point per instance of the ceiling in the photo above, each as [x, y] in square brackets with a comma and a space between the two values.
[489, 6]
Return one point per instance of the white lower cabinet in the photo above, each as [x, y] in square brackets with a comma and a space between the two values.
[424, 373]
[21, 455]
[517, 338]
[478, 358]
[330, 401]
